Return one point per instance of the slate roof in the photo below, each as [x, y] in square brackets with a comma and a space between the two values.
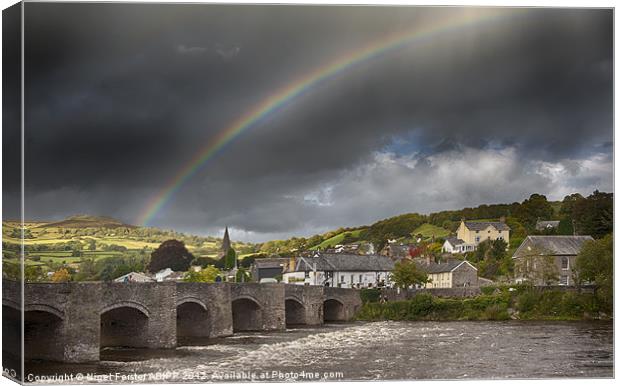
[553, 245]
[442, 267]
[454, 241]
[271, 262]
[482, 225]
[345, 262]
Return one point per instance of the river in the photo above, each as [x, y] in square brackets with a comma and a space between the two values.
[365, 351]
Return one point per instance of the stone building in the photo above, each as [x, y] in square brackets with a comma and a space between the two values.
[268, 268]
[451, 274]
[548, 260]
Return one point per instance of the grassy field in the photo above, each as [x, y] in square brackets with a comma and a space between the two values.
[70, 241]
[429, 230]
[337, 239]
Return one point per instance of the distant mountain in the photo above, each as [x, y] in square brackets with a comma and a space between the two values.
[86, 221]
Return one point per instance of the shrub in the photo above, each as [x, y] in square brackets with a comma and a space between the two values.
[526, 302]
[370, 295]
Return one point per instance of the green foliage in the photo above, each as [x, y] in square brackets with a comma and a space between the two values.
[394, 227]
[594, 215]
[426, 307]
[205, 275]
[171, 254]
[531, 304]
[534, 208]
[406, 274]
[595, 264]
[230, 259]
[244, 276]
[370, 295]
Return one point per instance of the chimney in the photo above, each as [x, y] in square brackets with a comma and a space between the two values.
[502, 219]
[292, 263]
[428, 259]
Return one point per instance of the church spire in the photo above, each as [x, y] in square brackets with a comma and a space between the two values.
[225, 242]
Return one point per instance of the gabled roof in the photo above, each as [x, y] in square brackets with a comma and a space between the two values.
[278, 262]
[552, 245]
[445, 267]
[482, 225]
[345, 262]
[454, 241]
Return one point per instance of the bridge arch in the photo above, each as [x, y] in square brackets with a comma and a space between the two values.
[124, 324]
[295, 311]
[193, 320]
[334, 310]
[247, 314]
[43, 326]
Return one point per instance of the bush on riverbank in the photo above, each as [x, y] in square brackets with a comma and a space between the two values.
[524, 303]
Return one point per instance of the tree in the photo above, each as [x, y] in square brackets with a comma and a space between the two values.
[538, 267]
[230, 258]
[61, 276]
[205, 275]
[534, 208]
[170, 254]
[406, 274]
[594, 215]
[243, 275]
[595, 264]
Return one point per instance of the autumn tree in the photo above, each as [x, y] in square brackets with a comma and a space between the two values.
[170, 254]
[61, 276]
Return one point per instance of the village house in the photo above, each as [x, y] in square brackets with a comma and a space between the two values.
[268, 268]
[455, 245]
[545, 260]
[133, 277]
[340, 270]
[397, 250]
[471, 233]
[451, 274]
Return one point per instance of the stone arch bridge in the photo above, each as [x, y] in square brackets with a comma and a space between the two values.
[71, 322]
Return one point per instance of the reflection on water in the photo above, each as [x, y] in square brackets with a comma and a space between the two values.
[367, 351]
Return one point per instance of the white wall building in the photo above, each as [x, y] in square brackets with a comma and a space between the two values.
[341, 270]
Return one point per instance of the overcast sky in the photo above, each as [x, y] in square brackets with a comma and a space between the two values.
[120, 97]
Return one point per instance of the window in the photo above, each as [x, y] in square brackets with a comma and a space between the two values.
[477, 239]
[352, 280]
[306, 274]
[361, 281]
[564, 263]
[342, 278]
[564, 280]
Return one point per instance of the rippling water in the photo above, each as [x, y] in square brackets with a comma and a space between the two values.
[368, 351]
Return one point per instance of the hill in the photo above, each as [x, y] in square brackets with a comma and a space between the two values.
[86, 221]
[352, 236]
[429, 230]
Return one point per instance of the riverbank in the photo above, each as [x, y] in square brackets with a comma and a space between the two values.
[520, 303]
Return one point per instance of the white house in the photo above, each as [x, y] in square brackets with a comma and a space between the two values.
[134, 277]
[341, 270]
[455, 245]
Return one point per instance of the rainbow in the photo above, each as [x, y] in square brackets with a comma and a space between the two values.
[299, 86]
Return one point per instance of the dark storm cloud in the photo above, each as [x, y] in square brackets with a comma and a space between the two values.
[119, 97]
